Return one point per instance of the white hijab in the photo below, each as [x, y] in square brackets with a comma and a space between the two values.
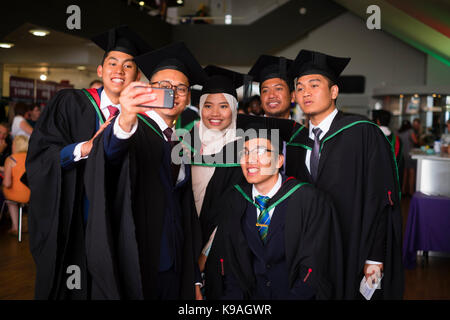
[212, 142]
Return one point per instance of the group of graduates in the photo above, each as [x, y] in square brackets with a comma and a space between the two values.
[145, 211]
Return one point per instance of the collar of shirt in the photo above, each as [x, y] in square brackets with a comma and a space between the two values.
[324, 125]
[152, 114]
[105, 102]
[385, 130]
[272, 191]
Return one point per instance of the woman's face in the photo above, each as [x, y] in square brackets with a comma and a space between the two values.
[216, 112]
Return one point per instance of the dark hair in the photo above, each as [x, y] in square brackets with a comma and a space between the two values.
[21, 108]
[95, 81]
[406, 125]
[6, 125]
[383, 116]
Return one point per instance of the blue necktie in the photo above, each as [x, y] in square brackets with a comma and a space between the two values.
[314, 161]
[263, 220]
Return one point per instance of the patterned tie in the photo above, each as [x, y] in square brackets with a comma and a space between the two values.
[264, 218]
[314, 162]
[175, 168]
[113, 111]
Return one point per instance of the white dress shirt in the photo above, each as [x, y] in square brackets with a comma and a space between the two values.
[104, 103]
[270, 194]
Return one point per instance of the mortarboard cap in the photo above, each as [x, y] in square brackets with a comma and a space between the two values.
[222, 80]
[284, 126]
[312, 62]
[122, 39]
[175, 56]
[269, 67]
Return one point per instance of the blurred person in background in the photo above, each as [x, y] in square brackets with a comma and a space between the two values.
[33, 115]
[96, 84]
[409, 141]
[13, 189]
[20, 126]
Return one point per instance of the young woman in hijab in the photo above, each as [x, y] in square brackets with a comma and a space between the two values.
[215, 166]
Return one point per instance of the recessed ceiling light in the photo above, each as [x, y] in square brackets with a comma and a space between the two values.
[141, 3]
[180, 1]
[43, 77]
[6, 45]
[39, 32]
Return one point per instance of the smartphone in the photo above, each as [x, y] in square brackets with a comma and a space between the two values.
[164, 98]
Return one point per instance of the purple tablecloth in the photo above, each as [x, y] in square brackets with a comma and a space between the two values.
[427, 228]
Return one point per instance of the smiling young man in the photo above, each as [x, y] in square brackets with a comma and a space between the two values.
[60, 143]
[276, 97]
[145, 203]
[278, 238]
[350, 159]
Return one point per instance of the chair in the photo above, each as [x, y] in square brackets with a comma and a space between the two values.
[21, 206]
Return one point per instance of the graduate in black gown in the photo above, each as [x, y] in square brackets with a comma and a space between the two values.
[276, 88]
[349, 158]
[143, 235]
[278, 238]
[59, 146]
[215, 165]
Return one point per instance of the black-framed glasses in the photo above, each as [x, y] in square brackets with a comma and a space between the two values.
[259, 151]
[180, 89]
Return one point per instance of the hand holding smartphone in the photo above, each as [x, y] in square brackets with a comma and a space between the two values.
[164, 98]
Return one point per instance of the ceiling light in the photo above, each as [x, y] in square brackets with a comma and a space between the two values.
[6, 45]
[228, 19]
[43, 77]
[39, 32]
[141, 3]
[81, 68]
[180, 1]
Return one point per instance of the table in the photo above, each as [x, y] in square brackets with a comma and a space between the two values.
[427, 228]
[433, 173]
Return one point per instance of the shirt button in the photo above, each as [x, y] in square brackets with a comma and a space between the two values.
[268, 266]
[268, 284]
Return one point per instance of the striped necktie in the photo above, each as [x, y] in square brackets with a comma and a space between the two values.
[263, 220]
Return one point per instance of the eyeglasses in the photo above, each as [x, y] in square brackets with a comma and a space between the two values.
[180, 89]
[259, 151]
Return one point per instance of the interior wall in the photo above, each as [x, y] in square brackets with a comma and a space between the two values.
[438, 73]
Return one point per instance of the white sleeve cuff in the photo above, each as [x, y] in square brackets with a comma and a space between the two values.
[373, 262]
[122, 134]
[77, 152]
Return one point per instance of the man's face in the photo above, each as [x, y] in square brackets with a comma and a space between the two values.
[3, 133]
[260, 161]
[313, 94]
[118, 71]
[35, 113]
[216, 112]
[275, 97]
[176, 78]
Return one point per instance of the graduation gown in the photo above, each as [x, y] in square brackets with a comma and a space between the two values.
[127, 222]
[311, 240]
[357, 169]
[225, 175]
[57, 189]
